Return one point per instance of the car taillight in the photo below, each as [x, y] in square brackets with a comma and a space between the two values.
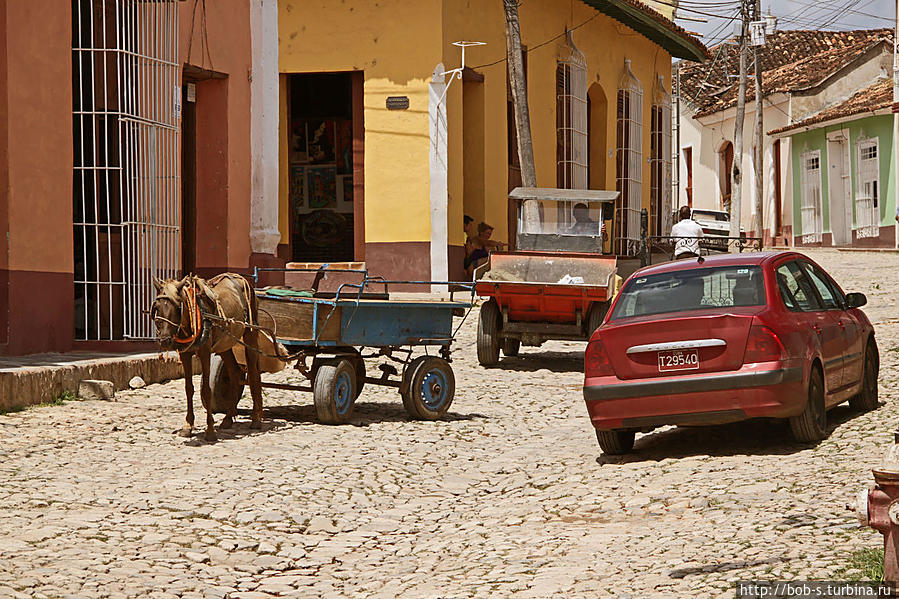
[596, 359]
[706, 230]
[763, 345]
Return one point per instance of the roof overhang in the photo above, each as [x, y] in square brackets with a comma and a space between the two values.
[791, 130]
[653, 26]
[552, 193]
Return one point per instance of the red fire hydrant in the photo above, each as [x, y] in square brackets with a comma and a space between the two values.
[878, 507]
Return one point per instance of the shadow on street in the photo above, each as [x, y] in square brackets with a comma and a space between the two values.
[554, 361]
[751, 437]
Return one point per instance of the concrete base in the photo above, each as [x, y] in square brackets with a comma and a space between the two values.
[33, 379]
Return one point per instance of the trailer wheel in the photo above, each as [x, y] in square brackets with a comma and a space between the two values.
[597, 313]
[429, 388]
[511, 347]
[488, 338]
[227, 386]
[334, 391]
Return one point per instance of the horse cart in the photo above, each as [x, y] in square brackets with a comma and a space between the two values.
[555, 282]
[330, 335]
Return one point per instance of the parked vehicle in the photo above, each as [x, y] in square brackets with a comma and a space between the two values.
[728, 338]
[715, 224]
[555, 282]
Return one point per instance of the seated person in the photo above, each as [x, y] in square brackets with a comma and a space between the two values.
[583, 224]
[481, 246]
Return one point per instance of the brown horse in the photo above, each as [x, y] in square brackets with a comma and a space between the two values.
[198, 317]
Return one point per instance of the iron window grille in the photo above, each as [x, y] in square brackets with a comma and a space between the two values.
[629, 163]
[867, 211]
[810, 208]
[126, 180]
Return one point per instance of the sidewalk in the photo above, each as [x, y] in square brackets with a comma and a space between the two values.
[30, 380]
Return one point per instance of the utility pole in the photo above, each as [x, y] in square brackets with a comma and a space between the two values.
[519, 94]
[759, 152]
[677, 134]
[737, 171]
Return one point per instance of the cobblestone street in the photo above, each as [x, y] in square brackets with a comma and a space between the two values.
[508, 495]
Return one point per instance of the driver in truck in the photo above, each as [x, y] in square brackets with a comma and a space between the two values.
[583, 224]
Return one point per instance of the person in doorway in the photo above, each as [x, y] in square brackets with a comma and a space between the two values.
[687, 234]
[482, 245]
[471, 231]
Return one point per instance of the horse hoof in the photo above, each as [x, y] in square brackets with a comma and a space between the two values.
[185, 432]
[256, 424]
[226, 423]
[210, 436]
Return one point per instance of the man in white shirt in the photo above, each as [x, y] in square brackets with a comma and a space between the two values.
[687, 233]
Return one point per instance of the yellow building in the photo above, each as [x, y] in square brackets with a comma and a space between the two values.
[386, 144]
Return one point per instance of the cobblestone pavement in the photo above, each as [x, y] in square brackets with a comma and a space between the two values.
[509, 495]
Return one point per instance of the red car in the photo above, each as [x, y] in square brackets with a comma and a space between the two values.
[727, 338]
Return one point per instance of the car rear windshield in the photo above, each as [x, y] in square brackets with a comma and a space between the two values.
[696, 289]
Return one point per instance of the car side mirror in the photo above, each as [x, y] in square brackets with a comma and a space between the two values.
[856, 300]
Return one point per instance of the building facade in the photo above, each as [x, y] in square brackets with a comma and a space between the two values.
[417, 145]
[125, 154]
[805, 73]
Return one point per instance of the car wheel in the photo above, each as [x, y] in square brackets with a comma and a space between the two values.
[867, 399]
[615, 442]
[488, 334]
[811, 424]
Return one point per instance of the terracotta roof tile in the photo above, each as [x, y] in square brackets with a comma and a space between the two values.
[791, 60]
[875, 97]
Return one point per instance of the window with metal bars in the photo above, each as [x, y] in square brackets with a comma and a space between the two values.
[571, 118]
[867, 200]
[126, 187]
[629, 163]
[810, 207]
[660, 162]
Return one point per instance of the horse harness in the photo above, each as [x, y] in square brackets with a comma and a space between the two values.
[200, 322]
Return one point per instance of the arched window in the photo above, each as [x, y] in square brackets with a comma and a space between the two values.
[571, 117]
[629, 164]
[660, 159]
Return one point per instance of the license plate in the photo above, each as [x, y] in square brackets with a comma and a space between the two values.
[679, 359]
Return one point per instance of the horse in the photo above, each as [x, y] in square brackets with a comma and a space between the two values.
[200, 318]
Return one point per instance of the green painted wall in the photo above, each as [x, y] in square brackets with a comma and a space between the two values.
[880, 127]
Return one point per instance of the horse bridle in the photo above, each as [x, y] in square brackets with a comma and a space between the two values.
[195, 316]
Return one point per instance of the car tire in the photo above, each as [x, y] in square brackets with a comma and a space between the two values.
[334, 391]
[867, 398]
[615, 442]
[811, 424]
[488, 334]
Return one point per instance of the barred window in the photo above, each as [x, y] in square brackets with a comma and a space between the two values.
[629, 164]
[867, 212]
[571, 118]
[812, 224]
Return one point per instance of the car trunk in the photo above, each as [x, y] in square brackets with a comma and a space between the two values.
[690, 343]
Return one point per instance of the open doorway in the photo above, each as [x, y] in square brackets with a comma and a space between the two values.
[325, 167]
[725, 168]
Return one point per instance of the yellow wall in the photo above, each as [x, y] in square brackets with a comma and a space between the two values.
[395, 43]
[399, 42]
[605, 42]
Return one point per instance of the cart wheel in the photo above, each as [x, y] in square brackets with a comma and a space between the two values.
[359, 364]
[334, 391]
[511, 347]
[597, 313]
[227, 388]
[430, 389]
[488, 340]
